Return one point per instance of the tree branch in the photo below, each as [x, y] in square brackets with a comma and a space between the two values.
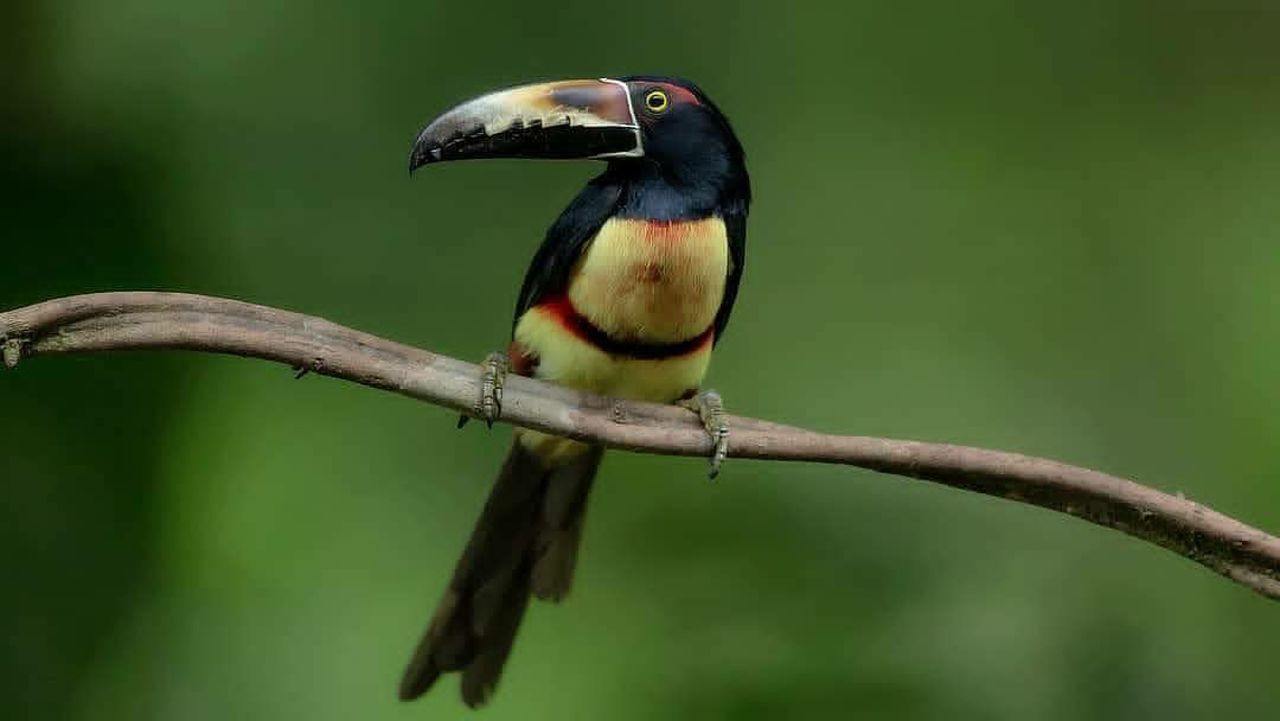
[173, 321]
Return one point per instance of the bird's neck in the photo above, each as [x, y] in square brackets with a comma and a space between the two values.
[656, 192]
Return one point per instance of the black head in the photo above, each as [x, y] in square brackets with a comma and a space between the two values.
[686, 136]
[660, 134]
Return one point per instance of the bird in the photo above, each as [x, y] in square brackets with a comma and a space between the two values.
[629, 292]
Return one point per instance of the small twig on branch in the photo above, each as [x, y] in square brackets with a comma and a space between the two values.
[172, 321]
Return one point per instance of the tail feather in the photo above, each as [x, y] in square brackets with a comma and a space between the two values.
[525, 540]
[480, 677]
[560, 534]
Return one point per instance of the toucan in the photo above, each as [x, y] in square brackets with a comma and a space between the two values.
[627, 296]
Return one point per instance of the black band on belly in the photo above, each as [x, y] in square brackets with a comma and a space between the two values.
[569, 316]
[643, 351]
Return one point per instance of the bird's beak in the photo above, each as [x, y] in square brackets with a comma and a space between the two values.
[565, 119]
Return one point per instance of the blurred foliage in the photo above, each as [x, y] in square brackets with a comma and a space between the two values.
[1045, 227]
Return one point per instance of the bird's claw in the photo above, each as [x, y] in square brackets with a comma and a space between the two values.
[489, 405]
[710, 409]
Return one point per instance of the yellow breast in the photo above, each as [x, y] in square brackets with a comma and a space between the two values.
[652, 281]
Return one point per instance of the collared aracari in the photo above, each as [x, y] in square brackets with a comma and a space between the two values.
[629, 292]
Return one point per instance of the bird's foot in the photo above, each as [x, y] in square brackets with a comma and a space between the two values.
[710, 409]
[489, 405]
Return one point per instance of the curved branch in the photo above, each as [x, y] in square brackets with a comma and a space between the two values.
[135, 321]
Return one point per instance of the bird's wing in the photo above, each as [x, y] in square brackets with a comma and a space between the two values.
[548, 274]
[735, 224]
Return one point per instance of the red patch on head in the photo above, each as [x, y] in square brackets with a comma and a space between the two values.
[679, 94]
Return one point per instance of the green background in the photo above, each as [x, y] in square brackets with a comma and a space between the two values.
[1044, 227]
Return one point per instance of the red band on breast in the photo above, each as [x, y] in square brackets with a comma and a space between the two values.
[561, 309]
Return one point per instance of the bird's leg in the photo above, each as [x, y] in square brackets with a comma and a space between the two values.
[710, 409]
[489, 405]
[497, 366]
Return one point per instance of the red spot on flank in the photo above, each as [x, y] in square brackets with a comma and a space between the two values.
[523, 360]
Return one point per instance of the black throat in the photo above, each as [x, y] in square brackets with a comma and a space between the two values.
[714, 183]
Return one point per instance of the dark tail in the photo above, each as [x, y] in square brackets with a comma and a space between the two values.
[525, 541]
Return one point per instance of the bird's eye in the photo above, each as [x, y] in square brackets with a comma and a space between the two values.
[656, 101]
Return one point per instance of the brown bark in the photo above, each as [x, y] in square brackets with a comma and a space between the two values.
[173, 321]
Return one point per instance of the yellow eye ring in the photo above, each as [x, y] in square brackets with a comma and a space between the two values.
[656, 101]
